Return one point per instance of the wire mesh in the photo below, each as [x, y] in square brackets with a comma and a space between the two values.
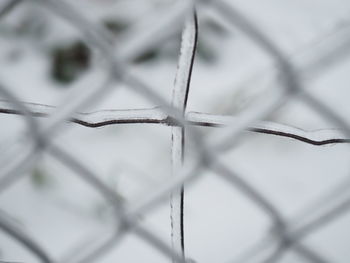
[285, 234]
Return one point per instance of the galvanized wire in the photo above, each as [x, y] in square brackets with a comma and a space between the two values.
[286, 234]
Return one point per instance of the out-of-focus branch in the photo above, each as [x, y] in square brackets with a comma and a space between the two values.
[155, 115]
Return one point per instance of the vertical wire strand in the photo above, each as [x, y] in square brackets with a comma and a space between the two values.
[181, 142]
[179, 100]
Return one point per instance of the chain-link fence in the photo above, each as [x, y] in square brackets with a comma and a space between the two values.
[201, 153]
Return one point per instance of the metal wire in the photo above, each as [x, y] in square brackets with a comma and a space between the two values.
[286, 234]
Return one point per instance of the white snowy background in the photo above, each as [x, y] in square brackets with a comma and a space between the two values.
[62, 212]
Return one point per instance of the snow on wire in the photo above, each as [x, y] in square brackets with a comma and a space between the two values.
[286, 234]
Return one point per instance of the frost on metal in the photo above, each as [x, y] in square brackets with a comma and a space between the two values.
[179, 101]
[285, 234]
[157, 115]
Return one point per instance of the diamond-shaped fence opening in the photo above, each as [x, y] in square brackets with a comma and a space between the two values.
[194, 153]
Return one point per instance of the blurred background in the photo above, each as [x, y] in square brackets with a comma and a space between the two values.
[43, 58]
